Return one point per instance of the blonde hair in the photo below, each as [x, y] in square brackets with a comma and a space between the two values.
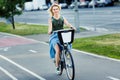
[50, 9]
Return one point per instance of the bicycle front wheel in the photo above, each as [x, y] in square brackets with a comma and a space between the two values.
[69, 63]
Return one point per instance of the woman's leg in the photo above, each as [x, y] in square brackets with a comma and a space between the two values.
[57, 56]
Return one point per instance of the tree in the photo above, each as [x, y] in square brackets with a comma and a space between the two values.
[10, 8]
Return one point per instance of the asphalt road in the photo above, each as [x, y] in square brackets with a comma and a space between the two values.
[102, 19]
[28, 59]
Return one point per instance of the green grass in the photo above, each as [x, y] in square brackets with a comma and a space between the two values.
[107, 45]
[24, 29]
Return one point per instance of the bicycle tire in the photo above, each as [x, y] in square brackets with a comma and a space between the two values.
[69, 65]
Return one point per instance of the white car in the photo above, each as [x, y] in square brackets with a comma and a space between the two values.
[28, 6]
[73, 5]
[63, 5]
[35, 5]
[84, 4]
[102, 3]
[43, 7]
[92, 3]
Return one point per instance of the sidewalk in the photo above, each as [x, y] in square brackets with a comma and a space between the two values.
[45, 37]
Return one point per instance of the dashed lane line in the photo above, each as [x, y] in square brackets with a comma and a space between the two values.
[33, 51]
[112, 78]
[19, 66]
[7, 73]
[5, 49]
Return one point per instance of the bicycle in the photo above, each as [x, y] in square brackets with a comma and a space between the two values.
[66, 37]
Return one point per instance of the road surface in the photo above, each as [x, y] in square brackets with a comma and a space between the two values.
[28, 59]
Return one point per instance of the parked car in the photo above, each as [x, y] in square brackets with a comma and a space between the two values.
[103, 3]
[73, 5]
[28, 6]
[44, 7]
[63, 5]
[35, 5]
[84, 4]
[92, 3]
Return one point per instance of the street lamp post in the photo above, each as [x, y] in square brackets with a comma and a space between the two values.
[93, 7]
[76, 16]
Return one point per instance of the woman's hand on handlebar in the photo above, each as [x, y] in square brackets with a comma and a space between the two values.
[73, 28]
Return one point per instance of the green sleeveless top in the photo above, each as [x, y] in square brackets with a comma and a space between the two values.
[57, 24]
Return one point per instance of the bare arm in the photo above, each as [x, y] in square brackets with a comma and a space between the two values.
[50, 26]
[68, 24]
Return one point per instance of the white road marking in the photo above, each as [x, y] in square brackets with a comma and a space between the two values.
[33, 51]
[112, 78]
[5, 48]
[19, 66]
[7, 73]
[5, 36]
[99, 56]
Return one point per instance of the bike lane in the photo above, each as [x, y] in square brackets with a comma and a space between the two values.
[35, 57]
[12, 48]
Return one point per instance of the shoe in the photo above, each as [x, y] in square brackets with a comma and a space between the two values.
[58, 70]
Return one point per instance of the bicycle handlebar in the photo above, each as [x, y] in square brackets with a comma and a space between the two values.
[64, 30]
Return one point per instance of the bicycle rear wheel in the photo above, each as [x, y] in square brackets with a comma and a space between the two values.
[69, 65]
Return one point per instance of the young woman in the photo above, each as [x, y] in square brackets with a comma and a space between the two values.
[56, 22]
